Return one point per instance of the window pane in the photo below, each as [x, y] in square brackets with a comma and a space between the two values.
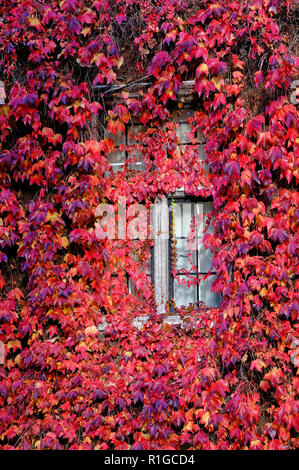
[204, 254]
[202, 157]
[184, 295]
[138, 293]
[207, 208]
[194, 151]
[182, 251]
[212, 299]
[136, 162]
[118, 138]
[133, 130]
[204, 259]
[181, 131]
[182, 214]
[117, 157]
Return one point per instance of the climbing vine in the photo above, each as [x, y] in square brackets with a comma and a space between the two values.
[226, 378]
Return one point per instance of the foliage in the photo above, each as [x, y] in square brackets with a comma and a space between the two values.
[227, 379]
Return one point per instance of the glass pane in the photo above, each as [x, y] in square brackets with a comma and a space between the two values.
[182, 214]
[117, 157]
[184, 114]
[135, 160]
[181, 131]
[182, 251]
[184, 295]
[118, 138]
[197, 150]
[212, 299]
[183, 128]
[204, 254]
[204, 259]
[134, 130]
[138, 293]
[202, 156]
[193, 150]
[207, 208]
[135, 155]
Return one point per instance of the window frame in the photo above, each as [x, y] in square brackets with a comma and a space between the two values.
[181, 199]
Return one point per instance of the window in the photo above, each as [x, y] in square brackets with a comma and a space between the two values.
[120, 157]
[188, 257]
[171, 219]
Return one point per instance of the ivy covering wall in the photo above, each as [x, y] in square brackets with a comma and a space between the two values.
[226, 378]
